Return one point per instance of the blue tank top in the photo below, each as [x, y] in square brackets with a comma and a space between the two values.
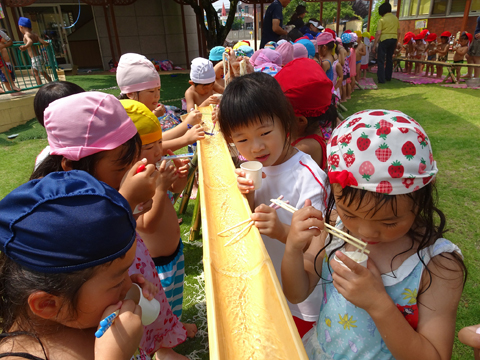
[329, 72]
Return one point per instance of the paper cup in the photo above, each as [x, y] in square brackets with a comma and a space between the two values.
[358, 257]
[218, 96]
[150, 309]
[253, 171]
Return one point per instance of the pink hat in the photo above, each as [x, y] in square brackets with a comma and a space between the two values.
[315, 45]
[95, 122]
[383, 151]
[299, 51]
[286, 50]
[324, 38]
[136, 73]
[268, 56]
[339, 40]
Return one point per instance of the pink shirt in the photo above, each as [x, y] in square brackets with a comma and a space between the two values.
[353, 63]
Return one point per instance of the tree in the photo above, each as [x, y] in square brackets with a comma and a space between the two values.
[375, 17]
[215, 33]
[237, 24]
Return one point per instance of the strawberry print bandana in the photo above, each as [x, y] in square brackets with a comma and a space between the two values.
[384, 151]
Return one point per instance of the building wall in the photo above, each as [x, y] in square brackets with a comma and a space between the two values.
[439, 25]
[149, 27]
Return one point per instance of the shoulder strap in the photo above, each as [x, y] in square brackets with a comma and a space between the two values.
[22, 355]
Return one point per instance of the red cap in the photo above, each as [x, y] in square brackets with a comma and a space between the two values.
[469, 36]
[424, 32]
[246, 41]
[431, 37]
[446, 34]
[372, 38]
[306, 86]
[348, 31]
[408, 36]
[419, 37]
[409, 33]
[331, 32]
[303, 37]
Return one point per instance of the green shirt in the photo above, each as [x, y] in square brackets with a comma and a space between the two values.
[388, 25]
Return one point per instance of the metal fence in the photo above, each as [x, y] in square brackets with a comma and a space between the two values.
[20, 71]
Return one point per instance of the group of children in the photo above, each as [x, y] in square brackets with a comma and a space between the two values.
[372, 176]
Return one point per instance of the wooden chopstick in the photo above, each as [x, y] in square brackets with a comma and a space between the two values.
[240, 232]
[234, 226]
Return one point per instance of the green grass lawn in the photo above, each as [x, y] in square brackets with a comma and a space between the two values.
[451, 118]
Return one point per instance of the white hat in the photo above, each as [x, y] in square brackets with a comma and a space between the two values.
[202, 71]
[316, 24]
[136, 73]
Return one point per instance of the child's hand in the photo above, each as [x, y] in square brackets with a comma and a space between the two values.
[469, 336]
[306, 223]
[268, 223]
[159, 110]
[167, 175]
[245, 185]
[22, 47]
[182, 165]
[363, 287]
[143, 208]
[122, 339]
[139, 188]
[213, 100]
[195, 133]
[149, 290]
[194, 117]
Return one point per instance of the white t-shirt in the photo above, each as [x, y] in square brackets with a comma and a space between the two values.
[365, 58]
[297, 179]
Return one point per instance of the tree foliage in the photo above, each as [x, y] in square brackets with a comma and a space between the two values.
[329, 11]
[375, 17]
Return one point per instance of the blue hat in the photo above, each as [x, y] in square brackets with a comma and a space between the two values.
[346, 38]
[25, 22]
[245, 50]
[67, 221]
[216, 53]
[309, 45]
[310, 36]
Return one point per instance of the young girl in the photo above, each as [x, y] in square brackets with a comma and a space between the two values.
[361, 51]
[442, 51]
[403, 303]
[53, 295]
[431, 52]
[158, 227]
[326, 49]
[257, 118]
[409, 50]
[338, 70]
[309, 91]
[138, 80]
[102, 140]
[365, 58]
[346, 89]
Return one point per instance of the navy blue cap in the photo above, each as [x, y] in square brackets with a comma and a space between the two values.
[25, 22]
[67, 221]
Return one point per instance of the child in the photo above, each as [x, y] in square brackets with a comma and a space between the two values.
[338, 70]
[361, 51]
[202, 80]
[53, 295]
[346, 89]
[257, 118]
[353, 62]
[309, 91]
[286, 50]
[99, 138]
[431, 52]
[408, 45]
[382, 173]
[461, 49]
[442, 51]
[420, 47]
[138, 80]
[29, 38]
[326, 45]
[159, 227]
[470, 336]
[365, 58]
[7, 73]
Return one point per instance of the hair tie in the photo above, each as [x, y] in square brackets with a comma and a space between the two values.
[333, 50]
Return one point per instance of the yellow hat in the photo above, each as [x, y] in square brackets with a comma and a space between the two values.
[238, 44]
[145, 121]
[366, 34]
[359, 33]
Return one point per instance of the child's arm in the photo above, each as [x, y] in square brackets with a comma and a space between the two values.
[217, 88]
[434, 336]
[362, 51]
[139, 188]
[182, 165]
[195, 133]
[190, 98]
[211, 100]
[28, 42]
[462, 50]
[325, 65]
[340, 76]
[193, 118]
[469, 336]
[43, 42]
[298, 266]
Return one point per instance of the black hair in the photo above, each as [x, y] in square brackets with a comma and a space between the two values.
[130, 153]
[299, 10]
[123, 96]
[50, 92]
[464, 36]
[195, 84]
[429, 222]
[327, 119]
[329, 46]
[384, 8]
[254, 98]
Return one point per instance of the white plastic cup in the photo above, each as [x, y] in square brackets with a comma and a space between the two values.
[358, 257]
[150, 308]
[253, 171]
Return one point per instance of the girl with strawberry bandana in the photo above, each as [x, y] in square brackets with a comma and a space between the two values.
[402, 305]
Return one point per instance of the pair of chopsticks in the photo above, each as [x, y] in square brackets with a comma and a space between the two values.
[359, 244]
[250, 223]
[208, 133]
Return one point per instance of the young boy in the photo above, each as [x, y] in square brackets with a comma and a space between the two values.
[461, 49]
[361, 51]
[431, 52]
[6, 68]
[202, 81]
[409, 50]
[29, 38]
[420, 47]
[442, 51]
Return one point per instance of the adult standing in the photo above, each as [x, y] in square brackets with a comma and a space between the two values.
[297, 17]
[273, 21]
[474, 50]
[388, 33]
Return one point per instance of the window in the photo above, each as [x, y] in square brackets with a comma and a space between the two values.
[424, 7]
[246, 9]
[413, 8]
[405, 7]
[475, 5]
[440, 7]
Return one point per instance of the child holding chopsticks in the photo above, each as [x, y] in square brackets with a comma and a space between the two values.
[403, 303]
[255, 115]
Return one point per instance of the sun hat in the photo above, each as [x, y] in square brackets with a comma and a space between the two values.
[280, 42]
[286, 51]
[324, 38]
[245, 50]
[366, 35]
[67, 221]
[383, 151]
[372, 38]
[338, 40]
[418, 37]
[469, 36]
[306, 86]
[424, 33]
[272, 45]
[346, 38]
[299, 51]
[136, 73]
[408, 37]
[145, 121]
[331, 32]
[431, 37]
[446, 34]
[201, 71]
[358, 33]
[238, 44]
[310, 48]
[216, 53]
[265, 56]
[354, 37]
[348, 31]
[25, 22]
[84, 124]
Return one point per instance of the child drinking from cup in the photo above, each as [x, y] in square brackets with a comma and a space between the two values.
[382, 174]
[255, 115]
[442, 51]
[54, 294]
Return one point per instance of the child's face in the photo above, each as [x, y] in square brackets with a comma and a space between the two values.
[261, 141]
[149, 97]
[463, 42]
[204, 89]
[107, 287]
[153, 152]
[376, 226]
[109, 170]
